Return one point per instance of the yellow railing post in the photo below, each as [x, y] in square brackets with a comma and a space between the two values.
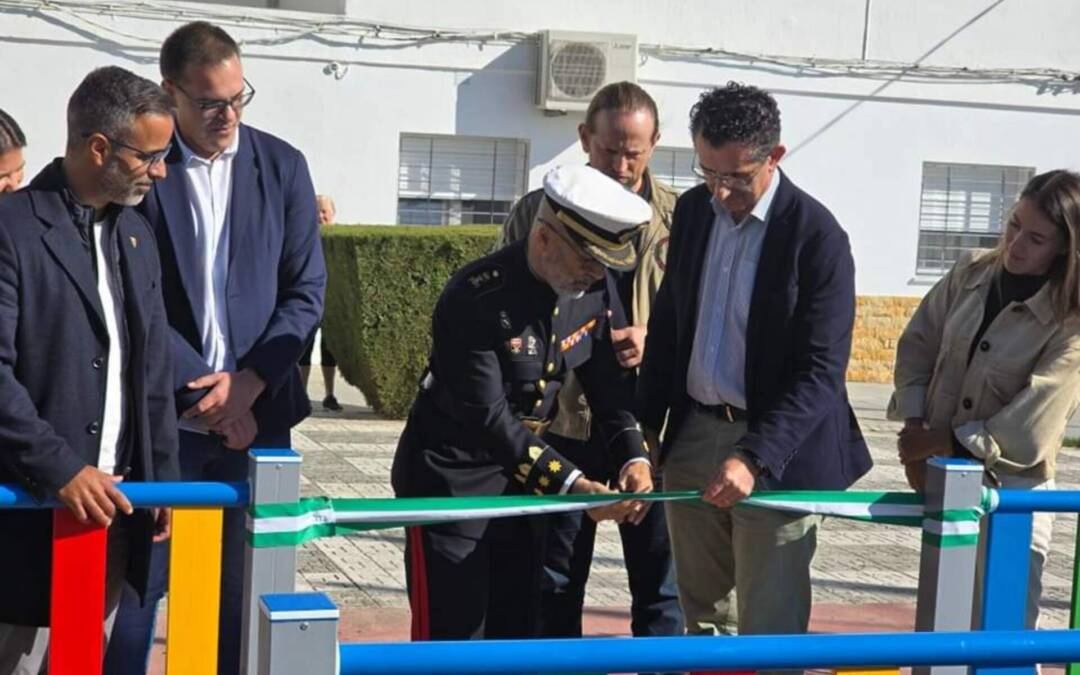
[194, 592]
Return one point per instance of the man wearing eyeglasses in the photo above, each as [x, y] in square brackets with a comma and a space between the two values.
[243, 280]
[745, 357]
[85, 364]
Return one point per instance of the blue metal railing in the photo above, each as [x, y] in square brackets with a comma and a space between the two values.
[1030, 501]
[755, 652]
[146, 495]
[1001, 647]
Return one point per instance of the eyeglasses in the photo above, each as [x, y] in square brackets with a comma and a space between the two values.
[737, 180]
[152, 157]
[212, 107]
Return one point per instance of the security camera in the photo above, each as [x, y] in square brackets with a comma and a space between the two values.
[336, 69]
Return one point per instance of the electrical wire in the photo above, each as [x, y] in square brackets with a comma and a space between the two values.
[343, 31]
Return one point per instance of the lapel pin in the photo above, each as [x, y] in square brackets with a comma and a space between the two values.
[134, 242]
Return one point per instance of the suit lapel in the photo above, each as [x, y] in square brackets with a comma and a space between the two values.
[698, 240]
[130, 238]
[769, 269]
[175, 204]
[245, 202]
[66, 246]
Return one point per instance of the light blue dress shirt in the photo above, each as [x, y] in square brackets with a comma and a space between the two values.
[717, 371]
[209, 187]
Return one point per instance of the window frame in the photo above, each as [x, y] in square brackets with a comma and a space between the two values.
[945, 239]
[673, 179]
[454, 209]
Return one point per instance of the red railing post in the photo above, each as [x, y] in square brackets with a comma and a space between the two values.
[77, 612]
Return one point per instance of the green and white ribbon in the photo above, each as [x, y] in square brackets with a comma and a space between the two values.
[952, 527]
[294, 523]
[893, 508]
[297, 522]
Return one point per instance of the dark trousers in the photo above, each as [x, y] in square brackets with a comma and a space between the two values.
[654, 607]
[471, 582]
[202, 458]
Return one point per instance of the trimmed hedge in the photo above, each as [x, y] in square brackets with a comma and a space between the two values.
[383, 282]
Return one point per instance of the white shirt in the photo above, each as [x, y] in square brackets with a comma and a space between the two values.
[717, 371]
[112, 304]
[209, 185]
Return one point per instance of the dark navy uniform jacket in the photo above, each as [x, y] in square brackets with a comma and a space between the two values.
[502, 343]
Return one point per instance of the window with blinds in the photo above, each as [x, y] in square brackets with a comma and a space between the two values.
[459, 180]
[963, 207]
[673, 166]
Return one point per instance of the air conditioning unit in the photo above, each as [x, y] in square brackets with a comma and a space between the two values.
[573, 66]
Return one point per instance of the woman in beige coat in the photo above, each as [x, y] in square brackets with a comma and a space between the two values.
[989, 366]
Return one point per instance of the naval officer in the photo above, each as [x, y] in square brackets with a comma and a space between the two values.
[506, 331]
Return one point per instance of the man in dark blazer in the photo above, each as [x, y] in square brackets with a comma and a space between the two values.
[745, 358]
[86, 396]
[243, 282]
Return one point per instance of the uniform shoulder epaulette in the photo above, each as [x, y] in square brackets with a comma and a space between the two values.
[485, 279]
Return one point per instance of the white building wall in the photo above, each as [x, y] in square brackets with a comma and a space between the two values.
[857, 143]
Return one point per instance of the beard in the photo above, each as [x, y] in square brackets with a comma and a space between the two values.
[120, 188]
[570, 289]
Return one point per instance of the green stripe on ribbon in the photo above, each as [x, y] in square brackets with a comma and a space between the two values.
[385, 504]
[840, 496]
[294, 523]
[892, 508]
[956, 515]
[957, 527]
[297, 522]
[950, 541]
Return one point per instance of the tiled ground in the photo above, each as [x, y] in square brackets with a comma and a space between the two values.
[856, 563]
[864, 575]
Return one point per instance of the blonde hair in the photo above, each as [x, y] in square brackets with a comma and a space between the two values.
[1056, 194]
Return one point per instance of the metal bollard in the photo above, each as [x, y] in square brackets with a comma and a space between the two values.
[275, 478]
[947, 564]
[297, 634]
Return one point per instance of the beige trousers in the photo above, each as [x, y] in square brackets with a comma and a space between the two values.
[739, 570]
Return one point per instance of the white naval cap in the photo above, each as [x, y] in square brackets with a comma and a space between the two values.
[599, 213]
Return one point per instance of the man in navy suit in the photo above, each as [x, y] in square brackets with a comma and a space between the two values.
[86, 396]
[243, 282]
[745, 358]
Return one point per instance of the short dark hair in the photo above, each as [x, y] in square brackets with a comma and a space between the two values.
[107, 102]
[198, 43]
[737, 113]
[11, 136]
[623, 97]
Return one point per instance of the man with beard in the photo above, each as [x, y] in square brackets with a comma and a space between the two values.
[86, 396]
[243, 280]
[506, 332]
[619, 133]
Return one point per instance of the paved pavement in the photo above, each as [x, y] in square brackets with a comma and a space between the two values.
[864, 575]
[857, 564]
